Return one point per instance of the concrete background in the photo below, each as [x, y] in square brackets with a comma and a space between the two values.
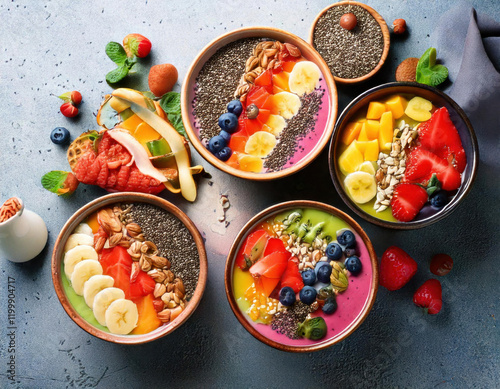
[49, 47]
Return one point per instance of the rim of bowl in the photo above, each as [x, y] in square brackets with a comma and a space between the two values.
[273, 33]
[385, 33]
[463, 190]
[228, 274]
[78, 217]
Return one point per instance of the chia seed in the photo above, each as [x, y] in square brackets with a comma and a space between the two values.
[217, 82]
[287, 322]
[174, 242]
[349, 54]
[297, 128]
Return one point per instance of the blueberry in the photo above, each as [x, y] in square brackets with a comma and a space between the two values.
[353, 264]
[333, 251]
[330, 306]
[216, 144]
[309, 277]
[324, 273]
[319, 265]
[235, 107]
[59, 136]
[226, 135]
[351, 251]
[287, 296]
[347, 239]
[307, 295]
[228, 122]
[224, 154]
[439, 199]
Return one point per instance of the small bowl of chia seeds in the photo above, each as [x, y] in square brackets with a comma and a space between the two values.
[259, 103]
[352, 38]
[129, 268]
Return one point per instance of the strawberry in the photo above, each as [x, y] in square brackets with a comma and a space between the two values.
[421, 164]
[69, 110]
[291, 277]
[73, 97]
[440, 136]
[407, 201]
[136, 44]
[441, 264]
[396, 268]
[429, 296]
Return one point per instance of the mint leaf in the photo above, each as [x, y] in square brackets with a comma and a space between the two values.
[116, 53]
[54, 180]
[171, 103]
[428, 72]
[118, 74]
[433, 186]
[176, 121]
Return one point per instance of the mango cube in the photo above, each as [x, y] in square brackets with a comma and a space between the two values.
[350, 133]
[369, 149]
[386, 131]
[350, 159]
[363, 137]
[372, 129]
[397, 105]
[375, 110]
[131, 123]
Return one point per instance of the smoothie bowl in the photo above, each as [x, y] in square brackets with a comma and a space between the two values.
[301, 276]
[129, 268]
[403, 155]
[259, 103]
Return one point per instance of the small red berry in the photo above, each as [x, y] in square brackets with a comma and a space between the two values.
[396, 268]
[399, 26]
[441, 264]
[136, 44]
[429, 296]
[76, 98]
[348, 21]
[69, 110]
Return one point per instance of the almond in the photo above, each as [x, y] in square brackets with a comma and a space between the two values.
[162, 79]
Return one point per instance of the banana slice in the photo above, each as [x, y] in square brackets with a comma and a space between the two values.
[103, 300]
[304, 77]
[275, 124]
[121, 316]
[368, 167]
[260, 144]
[286, 104]
[94, 285]
[78, 239]
[361, 186]
[82, 272]
[84, 228]
[77, 254]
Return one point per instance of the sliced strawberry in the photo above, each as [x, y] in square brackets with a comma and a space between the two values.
[250, 244]
[429, 296]
[407, 201]
[396, 268]
[291, 277]
[142, 286]
[421, 164]
[267, 285]
[273, 245]
[271, 266]
[117, 263]
[440, 136]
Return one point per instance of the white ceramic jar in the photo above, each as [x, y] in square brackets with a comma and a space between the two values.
[22, 236]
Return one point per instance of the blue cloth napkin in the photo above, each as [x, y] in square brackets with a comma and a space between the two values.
[468, 43]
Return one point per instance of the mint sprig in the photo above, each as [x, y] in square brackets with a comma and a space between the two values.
[54, 181]
[428, 72]
[117, 54]
[171, 104]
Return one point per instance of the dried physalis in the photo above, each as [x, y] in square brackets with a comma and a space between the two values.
[9, 209]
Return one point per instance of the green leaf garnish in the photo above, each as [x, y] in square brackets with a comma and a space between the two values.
[176, 121]
[428, 72]
[54, 180]
[433, 186]
[116, 53]
[171, 103]
[116, 75]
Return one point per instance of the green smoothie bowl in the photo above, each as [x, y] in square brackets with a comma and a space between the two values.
[129, 268]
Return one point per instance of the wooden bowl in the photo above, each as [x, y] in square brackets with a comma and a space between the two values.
[371, 276]
[255, 32]
[385, 32]
[439, 99]
[81, 215]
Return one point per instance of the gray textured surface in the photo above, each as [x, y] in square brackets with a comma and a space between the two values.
[54, 46]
